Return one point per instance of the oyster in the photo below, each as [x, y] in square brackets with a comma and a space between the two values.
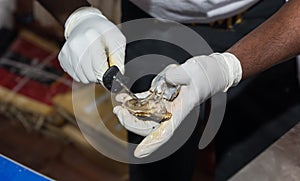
[168, 91]
[151, 107]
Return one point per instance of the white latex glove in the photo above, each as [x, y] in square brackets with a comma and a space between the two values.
[91, 40]
[200, 78]
[204, 76]
[7, 8]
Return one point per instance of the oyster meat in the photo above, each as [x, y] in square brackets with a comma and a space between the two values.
[151, 107]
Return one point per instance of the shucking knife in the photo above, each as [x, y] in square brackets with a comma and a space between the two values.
[114, 81]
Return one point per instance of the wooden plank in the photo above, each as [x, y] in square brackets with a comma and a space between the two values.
[99, 117]
[52, 157]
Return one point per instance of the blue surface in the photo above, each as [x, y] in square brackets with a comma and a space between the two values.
[12, 171]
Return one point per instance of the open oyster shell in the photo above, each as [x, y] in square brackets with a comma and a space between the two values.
[151, 107]
[168, 91]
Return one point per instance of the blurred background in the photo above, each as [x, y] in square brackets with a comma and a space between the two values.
[38, 126]
[37, 123]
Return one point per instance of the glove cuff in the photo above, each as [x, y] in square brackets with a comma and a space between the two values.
[8, 5]
[234, 69]
[7, 8]
[79, 15]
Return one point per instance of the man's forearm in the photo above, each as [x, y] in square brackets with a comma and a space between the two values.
[275, 40]
[61, 9]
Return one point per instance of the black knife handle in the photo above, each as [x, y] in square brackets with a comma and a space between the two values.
[109, 79]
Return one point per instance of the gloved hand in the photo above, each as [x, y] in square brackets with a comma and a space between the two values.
[200, 78]
[7, 8]
[93, 44]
